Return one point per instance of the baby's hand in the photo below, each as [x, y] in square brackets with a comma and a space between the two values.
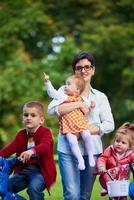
[46, 77]
[84, 108]
[92, 106]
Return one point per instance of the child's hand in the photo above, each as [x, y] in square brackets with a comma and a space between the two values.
[84, 108]
[92, 106]
[26, 155]
[46, 77]
[102, 170]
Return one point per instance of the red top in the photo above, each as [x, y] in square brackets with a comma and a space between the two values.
[44, 147]
[110, 160]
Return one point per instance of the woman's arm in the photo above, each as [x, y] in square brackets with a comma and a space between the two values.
[106, 117]
[68, 107]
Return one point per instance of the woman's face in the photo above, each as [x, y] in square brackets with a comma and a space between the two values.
[84, 69]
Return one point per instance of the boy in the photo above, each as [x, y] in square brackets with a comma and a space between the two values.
[35, 174]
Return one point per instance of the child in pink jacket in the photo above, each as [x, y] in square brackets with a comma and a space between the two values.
[116, 157]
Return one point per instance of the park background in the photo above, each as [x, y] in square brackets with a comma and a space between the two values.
[44, 35]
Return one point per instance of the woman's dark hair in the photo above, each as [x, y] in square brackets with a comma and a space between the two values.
[83, 55]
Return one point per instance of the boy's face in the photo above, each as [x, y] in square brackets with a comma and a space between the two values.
[32, 118]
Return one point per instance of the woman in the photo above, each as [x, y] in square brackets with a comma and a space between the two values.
[77, 185]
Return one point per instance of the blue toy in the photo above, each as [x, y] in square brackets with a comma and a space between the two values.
[12, 196]
[131, 186]
[5, 167]
[131, 190]
[4, 170]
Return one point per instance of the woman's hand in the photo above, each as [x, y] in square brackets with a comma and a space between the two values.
[94, 130]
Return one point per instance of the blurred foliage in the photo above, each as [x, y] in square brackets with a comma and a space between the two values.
[28, 28]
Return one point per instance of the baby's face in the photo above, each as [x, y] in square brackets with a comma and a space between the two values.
[70, 87]
[32, 118]
[121, 144]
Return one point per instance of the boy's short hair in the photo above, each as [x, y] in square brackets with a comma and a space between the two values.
[36, 105]
[83, 55]
[79, 81]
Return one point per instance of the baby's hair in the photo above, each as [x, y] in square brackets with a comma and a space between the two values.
[36, 105]
[79, 81]
[127, 126]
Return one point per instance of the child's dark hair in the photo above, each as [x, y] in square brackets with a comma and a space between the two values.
[35, 104]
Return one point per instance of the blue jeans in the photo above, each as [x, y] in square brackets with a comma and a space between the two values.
[30, 178]
[77, 185]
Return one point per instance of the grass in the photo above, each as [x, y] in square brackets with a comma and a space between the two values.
[56, 191]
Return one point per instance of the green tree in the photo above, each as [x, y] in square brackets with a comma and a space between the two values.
[104, 28]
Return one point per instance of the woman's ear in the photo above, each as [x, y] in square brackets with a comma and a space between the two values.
[93, 71]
